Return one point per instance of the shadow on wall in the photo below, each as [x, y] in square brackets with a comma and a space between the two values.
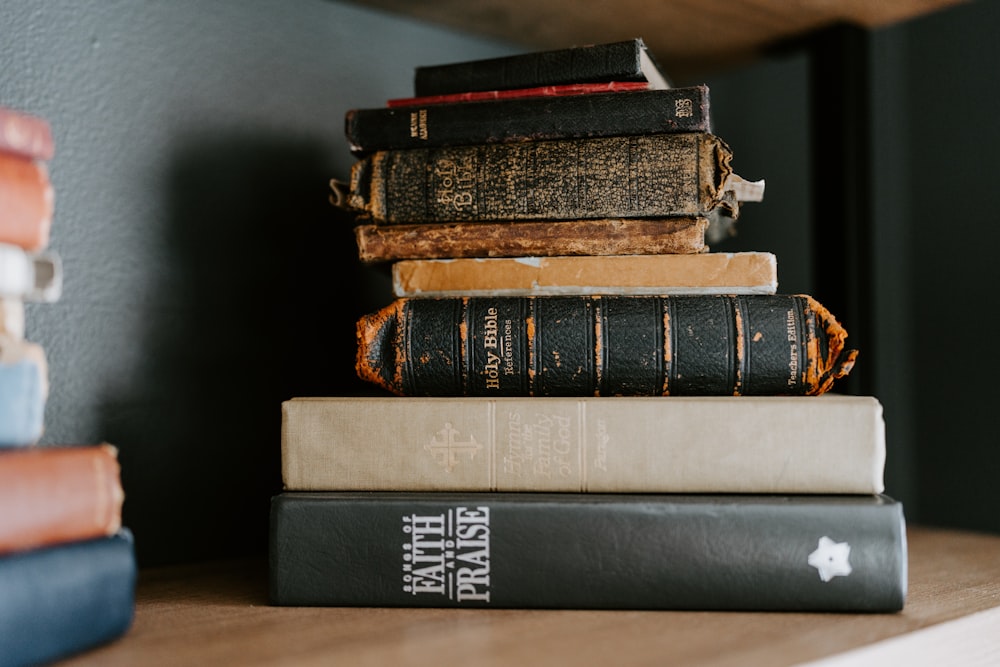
[259, 305]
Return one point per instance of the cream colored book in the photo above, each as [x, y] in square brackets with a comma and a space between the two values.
[11, 317]
[703, 273]
[720, 444]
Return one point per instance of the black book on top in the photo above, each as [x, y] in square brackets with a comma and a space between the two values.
[627, 60]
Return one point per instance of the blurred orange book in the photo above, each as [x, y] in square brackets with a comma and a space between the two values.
[55, 494]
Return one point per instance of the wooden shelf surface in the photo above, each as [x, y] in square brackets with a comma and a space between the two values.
[217, 614]
[690, 38]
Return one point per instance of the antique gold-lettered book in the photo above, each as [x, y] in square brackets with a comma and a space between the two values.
[653, 175]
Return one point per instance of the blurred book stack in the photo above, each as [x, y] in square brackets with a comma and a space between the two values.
[67, 566]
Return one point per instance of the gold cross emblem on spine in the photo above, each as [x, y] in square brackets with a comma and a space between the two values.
[447, 449]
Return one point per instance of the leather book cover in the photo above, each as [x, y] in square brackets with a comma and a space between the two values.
[653, 176]
[529, 119]
[701, 273]
[61, 600]
[55, 494]
[680, 345]
[604, 237]
[659, 444]
[808, 552]
[626, 60]
[27, 200]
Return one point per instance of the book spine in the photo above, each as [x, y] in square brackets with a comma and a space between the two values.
[617, 61]
[539, 91]
[656, 175]
[26, 199]
[636, 236]
[703, 273]
[29, 276]
[23, 391]
[792, 444]
[64, 599]
[755, 553]
[529, 119]
[25, 135]
[52, 495]
[603, 346]
[11, 320]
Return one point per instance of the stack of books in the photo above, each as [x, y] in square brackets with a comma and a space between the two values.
[585, 407]
[67, 566]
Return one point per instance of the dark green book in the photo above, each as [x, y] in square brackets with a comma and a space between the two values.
[844, 553]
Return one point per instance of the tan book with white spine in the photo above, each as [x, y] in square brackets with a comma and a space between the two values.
[704, 273]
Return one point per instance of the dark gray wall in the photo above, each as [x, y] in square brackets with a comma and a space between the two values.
[952, 136]
[932, 106]
[207, 278]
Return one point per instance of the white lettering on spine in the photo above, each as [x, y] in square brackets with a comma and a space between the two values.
[448, 554]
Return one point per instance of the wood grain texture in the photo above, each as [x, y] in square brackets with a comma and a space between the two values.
[217, 614]
[689, 39]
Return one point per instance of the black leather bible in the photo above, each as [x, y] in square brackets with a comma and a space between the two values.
[529, 119]
[603, 346]
[844, 553]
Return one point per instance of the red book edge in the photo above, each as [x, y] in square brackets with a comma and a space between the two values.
[25, 135]
[541, 91]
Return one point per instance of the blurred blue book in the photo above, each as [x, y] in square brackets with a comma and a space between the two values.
[59, 601]
[23, 391]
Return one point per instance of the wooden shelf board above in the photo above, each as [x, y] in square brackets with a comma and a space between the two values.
[690, 38]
